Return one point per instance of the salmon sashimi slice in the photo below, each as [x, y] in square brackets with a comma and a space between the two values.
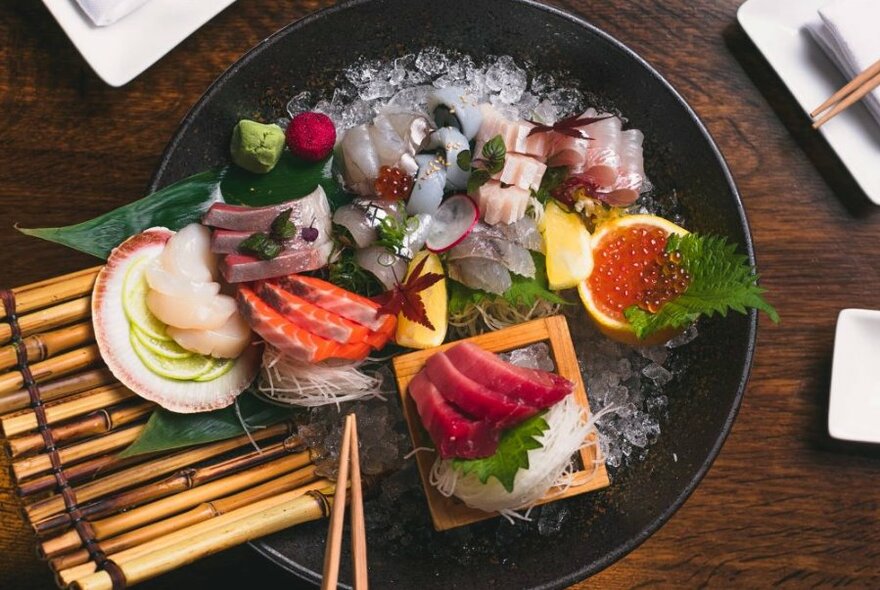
[311, 317]
[289, 338]
[521, 171]
[474, 399]
[453, 433]
[540, 389]
[336, 300]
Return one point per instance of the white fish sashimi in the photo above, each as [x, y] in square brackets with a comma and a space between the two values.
[204, 313]
[360, 160]
[514, 134]
[480, 273]
[227, 341]
[631, 174]
[499, 204]
[188, 254]
[522, 171]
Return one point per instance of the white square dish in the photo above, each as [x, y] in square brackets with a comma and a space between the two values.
[121, 51]
[778, 29]
[854, 408]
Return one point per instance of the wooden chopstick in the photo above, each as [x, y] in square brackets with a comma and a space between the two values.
[358, 529]
[333, 548]
[349, 459]
[851, 93]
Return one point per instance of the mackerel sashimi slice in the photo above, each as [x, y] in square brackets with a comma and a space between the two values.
[328, 296]
[113, 336]
[539, 389]
[289, 338]
[453, 433]
[475, 399]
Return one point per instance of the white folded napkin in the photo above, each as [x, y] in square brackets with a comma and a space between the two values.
[847, 31]
[107, 12]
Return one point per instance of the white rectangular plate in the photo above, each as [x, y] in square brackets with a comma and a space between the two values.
[123, 50]
[778, 28]
[854, 410]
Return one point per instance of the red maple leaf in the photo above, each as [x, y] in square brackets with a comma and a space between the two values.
[404, 297]
[569, 126]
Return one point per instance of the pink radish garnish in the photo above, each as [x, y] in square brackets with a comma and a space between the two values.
[453, 221]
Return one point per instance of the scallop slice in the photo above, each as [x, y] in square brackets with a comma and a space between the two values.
[227, 341]
[112, 334]
[204, 313]
[163, 281]
[188, 254]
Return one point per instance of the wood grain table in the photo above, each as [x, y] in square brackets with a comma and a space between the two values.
[782, 505]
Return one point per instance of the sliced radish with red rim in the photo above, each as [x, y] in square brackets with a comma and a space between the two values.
[453, 221]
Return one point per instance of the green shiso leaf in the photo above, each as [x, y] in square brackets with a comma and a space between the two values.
[185, 202]
[511, 456]
[173, 207]
[168, 430]
[721, 280]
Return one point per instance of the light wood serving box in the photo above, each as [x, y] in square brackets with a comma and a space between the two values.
[448, 513]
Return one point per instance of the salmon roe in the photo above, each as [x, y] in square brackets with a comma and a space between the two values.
[632, 267]
[393, 184]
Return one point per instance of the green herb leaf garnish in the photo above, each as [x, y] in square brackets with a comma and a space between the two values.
[494, 154]
[512, 453]
[552, 178]
[477, 179]
[282, 227]
[721, 280]
[464, 160]
[261, 245]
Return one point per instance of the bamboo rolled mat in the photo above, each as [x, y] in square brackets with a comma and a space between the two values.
[102, 522]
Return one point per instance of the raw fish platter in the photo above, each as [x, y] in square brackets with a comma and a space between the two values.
[468, 255]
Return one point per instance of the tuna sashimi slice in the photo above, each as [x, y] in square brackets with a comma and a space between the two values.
[313, 207]
[540, 389]
[474, 399]
[336, 300]
[239, 268]
[290, 338]
[314, 319]
[454, 434]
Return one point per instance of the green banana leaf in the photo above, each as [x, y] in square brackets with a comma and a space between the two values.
[168, 430]
[185, 202]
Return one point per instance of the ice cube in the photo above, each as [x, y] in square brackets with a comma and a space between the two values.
[432, 61]
[506, 78]
[658, 374]
[685, 337]
[300, 103]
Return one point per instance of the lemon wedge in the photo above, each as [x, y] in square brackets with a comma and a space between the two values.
[567, 243]
[412, 334]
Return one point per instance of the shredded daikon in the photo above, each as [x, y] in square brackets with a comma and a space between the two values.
[551, 469]
[289, 381]
[497, 314]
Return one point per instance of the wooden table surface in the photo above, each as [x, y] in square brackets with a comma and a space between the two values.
[782, 505]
